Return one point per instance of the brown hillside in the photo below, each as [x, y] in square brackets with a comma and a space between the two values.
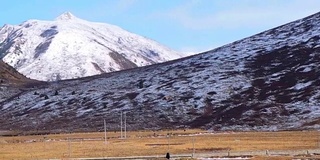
[9, 76]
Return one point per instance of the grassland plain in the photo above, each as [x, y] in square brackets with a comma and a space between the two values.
[146, 143]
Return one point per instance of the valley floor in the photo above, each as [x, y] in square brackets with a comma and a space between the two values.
[202, 143]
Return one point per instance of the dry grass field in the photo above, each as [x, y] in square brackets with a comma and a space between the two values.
[76, 145]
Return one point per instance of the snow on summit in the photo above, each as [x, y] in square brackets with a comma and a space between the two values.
[70, 47]
[66, 16]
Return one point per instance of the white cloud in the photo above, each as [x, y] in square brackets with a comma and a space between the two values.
[235, 14]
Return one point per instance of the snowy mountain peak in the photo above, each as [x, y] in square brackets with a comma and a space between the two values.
[82, 49]
[66, 16]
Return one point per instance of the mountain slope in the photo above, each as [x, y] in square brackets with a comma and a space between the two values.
[269, 81]
[9, 76]
[70, 47]
[12, 82]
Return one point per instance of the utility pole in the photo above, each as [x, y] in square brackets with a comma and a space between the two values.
[105, 131]
[121, 126]
[193, 151]
[125, 125]
[69, 147]
[168, 142]
[44, 144]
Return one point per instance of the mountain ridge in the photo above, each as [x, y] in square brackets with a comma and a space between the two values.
[266, 82]
[9, 76]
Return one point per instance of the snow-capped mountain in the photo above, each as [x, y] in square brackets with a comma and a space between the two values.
[270, 81]
[70, 47]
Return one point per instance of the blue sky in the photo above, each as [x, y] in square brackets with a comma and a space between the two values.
[183, 25]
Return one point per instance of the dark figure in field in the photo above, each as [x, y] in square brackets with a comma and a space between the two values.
[168, 155]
